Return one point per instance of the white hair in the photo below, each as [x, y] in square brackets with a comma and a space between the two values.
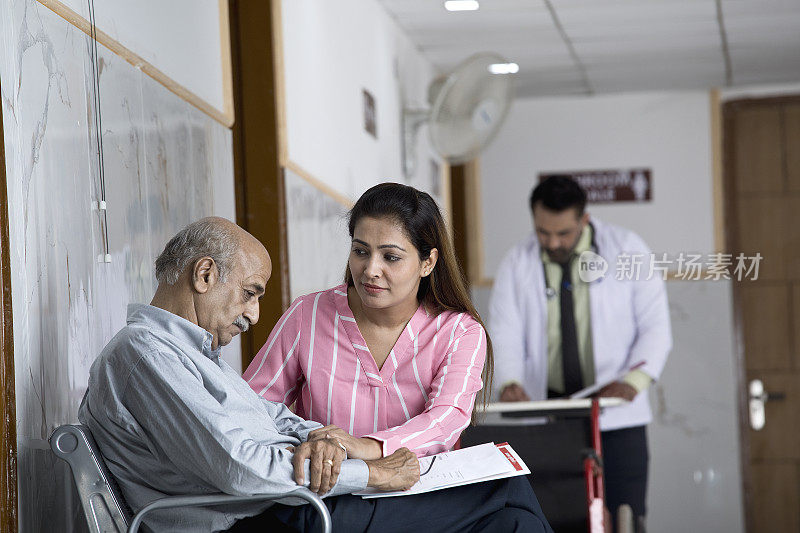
[206, 237]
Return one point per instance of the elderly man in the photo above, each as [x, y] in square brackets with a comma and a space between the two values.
[170, 417]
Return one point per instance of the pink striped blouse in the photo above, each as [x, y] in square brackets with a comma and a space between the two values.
[422, 397]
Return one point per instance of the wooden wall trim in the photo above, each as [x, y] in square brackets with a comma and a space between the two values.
[467, 222]
[8, 405]
[458, 199]
[319, 184]
[258, 176]
[447, 196]
[73, 18]
[280, 82]
[474, 205]
[227, 68]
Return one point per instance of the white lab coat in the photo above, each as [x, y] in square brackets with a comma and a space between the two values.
[629, 321]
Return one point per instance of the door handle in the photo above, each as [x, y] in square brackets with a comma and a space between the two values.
[758, 397]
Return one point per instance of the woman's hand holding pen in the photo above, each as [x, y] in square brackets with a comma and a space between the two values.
[363, 448]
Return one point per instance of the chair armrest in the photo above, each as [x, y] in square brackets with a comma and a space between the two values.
[171, 502]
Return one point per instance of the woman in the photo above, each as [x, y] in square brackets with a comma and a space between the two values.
[395, 355]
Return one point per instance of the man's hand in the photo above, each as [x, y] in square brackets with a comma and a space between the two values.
[398, 471]
[325, 461]
[618, 389]
[363, 448]
[514, 393]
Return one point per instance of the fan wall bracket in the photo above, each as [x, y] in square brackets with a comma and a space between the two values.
[413, 119]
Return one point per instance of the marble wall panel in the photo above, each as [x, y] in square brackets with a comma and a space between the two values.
[695, 472]
[165, 164]
[317, 234]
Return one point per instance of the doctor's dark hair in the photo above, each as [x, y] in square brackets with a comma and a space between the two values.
[559, 193]
[445, 287]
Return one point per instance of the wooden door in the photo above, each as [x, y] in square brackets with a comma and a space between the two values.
[762, 177]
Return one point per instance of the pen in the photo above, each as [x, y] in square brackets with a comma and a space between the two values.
[433, 460]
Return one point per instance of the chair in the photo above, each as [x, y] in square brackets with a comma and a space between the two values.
[103, 505]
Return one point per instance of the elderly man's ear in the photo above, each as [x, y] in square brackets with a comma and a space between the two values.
[204, 274]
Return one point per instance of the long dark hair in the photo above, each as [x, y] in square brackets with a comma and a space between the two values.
[445, 288]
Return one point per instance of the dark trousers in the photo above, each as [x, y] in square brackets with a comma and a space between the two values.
[625, 459]
[502, 506]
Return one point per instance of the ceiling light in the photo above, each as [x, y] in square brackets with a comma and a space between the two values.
[503, 68]
[461, 5]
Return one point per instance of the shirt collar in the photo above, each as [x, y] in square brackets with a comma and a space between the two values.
[156, 318]
[343, 307]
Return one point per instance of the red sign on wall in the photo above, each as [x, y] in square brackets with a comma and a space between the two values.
[610, 186]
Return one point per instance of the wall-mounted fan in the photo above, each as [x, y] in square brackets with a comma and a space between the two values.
[468, 106]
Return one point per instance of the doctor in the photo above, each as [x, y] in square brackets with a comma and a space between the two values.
[559, 326]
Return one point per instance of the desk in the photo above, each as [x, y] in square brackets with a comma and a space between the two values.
[555, 438]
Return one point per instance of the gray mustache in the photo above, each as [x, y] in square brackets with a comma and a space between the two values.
[242, 323]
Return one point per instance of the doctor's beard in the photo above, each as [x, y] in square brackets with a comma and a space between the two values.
[559, 255]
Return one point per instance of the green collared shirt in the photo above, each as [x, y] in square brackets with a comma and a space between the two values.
[637, 379]
[583, 323]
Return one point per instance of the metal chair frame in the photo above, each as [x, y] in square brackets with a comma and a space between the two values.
[103, 504]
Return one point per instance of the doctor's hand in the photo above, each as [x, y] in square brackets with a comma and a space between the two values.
[618, 389]
[363, 448]
[325, 461]
[398, 471]
[514, 393]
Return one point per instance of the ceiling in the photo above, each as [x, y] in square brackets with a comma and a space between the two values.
[566, 47]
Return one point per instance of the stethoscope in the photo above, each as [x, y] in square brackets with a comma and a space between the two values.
[549, 291]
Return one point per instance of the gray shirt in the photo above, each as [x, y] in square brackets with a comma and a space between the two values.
[171, 417]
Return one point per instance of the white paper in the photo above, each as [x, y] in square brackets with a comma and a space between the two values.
[591, 389]
[483, 462]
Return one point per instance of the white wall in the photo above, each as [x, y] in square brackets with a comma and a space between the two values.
[332, 51]
[181, 38]
[668, 132]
